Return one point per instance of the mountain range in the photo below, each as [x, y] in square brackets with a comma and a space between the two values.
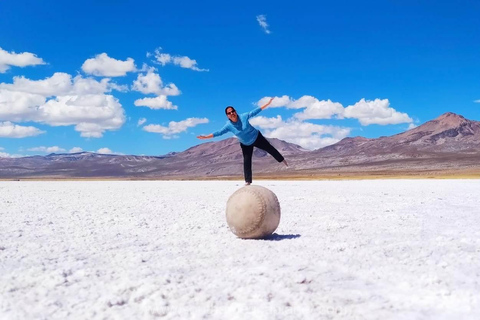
[448, 144]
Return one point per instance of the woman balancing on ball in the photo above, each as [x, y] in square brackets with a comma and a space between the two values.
[249, 137]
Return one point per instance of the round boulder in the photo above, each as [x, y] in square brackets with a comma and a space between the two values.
[253, 212]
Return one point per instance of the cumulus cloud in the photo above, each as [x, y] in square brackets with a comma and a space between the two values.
[24, 59]
[187, 63]
[105, 151]
[91, 114]
[411, 126]
[175, 127]
[366, 111]
[314, 108]
[141, 121]
[156, 103]
[11, 130]
[19, 106]
[376, 112]
[182, 61]
[62, 101]
[267, 123]
[277, 102]
[104, 66]
[54, 149]
[60, 84]
[75, 150]
[8, 155]
[152, 83]
[262, 21]
[307, 135]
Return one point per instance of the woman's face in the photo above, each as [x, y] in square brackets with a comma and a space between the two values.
[232, 114]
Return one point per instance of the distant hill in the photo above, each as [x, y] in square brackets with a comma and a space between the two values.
[448, 143]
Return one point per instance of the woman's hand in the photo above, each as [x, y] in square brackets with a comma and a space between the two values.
[205, 137]
[267, 104]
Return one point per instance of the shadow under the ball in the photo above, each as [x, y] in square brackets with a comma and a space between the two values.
[279, 237]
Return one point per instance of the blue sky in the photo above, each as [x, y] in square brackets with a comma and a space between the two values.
[147, 77]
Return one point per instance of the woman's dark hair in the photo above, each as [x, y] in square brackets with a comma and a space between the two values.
[233, 109]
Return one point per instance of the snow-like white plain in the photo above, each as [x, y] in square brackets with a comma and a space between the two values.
[367, 249]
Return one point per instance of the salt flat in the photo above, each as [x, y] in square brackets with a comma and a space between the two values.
[367, 249]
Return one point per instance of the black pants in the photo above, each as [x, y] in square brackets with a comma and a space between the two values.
[247, 151]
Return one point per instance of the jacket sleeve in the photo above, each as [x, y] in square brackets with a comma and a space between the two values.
[254, 112]
[224, 130]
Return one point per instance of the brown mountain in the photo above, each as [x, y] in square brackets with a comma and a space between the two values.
[449, 132]
[224, 158]
[449, 143]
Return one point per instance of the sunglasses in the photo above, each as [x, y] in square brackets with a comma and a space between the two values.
[231, 112]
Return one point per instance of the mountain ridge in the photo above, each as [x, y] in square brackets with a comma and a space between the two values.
[448, 142]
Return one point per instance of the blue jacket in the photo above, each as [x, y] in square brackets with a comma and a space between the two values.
[242, 129]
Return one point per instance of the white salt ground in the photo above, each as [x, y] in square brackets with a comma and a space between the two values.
[393, 249]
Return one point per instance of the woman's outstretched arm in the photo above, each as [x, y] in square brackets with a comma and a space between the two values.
[209, 136]
[224, 130]
[257, 110]
[267, 104]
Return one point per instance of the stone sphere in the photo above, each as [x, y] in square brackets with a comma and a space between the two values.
[253, 212]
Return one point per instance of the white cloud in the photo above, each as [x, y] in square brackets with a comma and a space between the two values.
[86, 86]
[11, 130]
[117, 87]
[104, 66]
[316, 109]
[262, 21]
[145, 67]
[411, 126]
[24, 59]
[182, 61]
[152, 83]
[277, 102]
[175, 127]
[75, 150]
[376, 112]
[91, 114]
[19, 106]
[141, 121]
[54, 149]
[79, 101]
[163, 58]
[8, 155]
[366, 111]
[267, 123]
[477, 101]
[159, 102]
[60, 84]
[296, 130]
[105, 151]
[187, 63]
[308, 135]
